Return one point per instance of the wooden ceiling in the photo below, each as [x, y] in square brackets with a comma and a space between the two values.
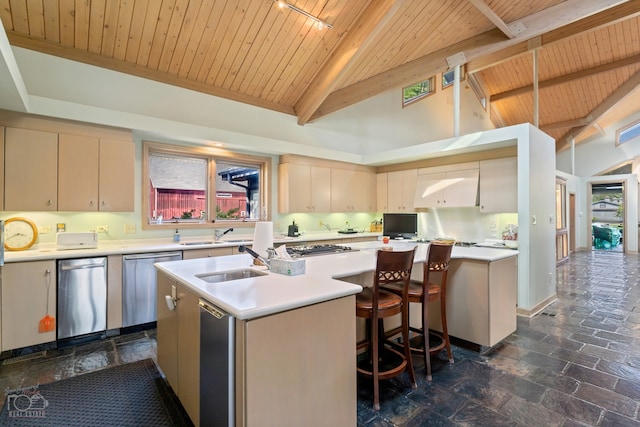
[252, 51]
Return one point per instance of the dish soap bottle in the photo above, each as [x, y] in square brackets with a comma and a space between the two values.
[176, 236]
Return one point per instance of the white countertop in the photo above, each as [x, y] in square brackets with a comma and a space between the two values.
[264, 295]
[48, 251]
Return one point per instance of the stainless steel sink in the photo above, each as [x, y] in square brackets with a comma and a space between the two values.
[226, 276]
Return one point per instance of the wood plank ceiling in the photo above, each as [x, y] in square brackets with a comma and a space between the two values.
[254, 52]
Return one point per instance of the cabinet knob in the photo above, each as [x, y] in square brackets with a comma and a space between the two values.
[49, 202]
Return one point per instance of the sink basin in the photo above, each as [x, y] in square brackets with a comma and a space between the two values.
[226, 276]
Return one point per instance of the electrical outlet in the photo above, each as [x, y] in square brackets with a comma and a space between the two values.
[102, 229]
[129, 228]
[44, 229]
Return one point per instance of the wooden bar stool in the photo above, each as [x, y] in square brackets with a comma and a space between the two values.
[374, 305]
[438, 258]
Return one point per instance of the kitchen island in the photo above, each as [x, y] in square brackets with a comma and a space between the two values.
[295, 336]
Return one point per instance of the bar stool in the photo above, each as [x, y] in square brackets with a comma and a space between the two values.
[374, 305]
[438, 258]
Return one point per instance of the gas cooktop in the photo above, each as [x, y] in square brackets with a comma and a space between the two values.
[312, 250]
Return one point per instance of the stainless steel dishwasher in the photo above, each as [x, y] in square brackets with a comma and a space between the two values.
[82, 296]
[139, 286]
[217, 368]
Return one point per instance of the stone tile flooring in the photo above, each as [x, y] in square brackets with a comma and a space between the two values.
[575, 364]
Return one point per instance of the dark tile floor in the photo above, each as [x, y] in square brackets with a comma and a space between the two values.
[575, 364]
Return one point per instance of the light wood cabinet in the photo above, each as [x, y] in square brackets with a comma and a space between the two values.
[401, 189]
[448, 186]
[481, 301]
[31, 170]
[447, 189]
[353, 191]
[282, 369]
[499, 185]
[28, 289]
[78, 173]
[1, 168]
[303, 188]
[381, 192]
[207, 252]
[116, 176]
[178, 343]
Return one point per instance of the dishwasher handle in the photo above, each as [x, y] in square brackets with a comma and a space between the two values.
[152, 256]
[96, 264]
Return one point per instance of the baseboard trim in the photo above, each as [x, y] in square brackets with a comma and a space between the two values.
[538, 308]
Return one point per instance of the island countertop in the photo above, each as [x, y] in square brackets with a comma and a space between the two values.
[273, 293]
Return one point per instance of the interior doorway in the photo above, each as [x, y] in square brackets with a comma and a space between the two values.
[607, 216]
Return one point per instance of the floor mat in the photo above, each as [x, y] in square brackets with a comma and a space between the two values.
[133, 394]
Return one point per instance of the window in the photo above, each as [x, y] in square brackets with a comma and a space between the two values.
[194, 186]
[477, 89]
[418, 91]
[628, 133]
[447, 78]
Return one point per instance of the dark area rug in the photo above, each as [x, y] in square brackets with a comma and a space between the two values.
[134, 394]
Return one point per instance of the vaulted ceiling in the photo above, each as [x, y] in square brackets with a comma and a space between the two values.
[585, 53]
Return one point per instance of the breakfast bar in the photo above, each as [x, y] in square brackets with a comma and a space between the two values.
[293, 339]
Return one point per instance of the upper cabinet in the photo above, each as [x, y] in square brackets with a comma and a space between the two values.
[31, 170]
[401, 188]
[53, 165]
[95, 174]
[353, 191]
[447, 186]
[311, 185]
[1, 168]
[303, 188]
[499, 185]
[116, 177]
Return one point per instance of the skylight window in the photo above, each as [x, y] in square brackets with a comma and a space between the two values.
[418, 91]
[628, 133]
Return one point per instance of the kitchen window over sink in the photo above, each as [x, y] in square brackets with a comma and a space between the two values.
[197, 186]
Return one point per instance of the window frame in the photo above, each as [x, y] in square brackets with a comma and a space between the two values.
[212, 155]
[620, 131]
[462, 77]
[424, 95]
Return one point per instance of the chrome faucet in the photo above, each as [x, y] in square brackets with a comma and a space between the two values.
[218, 234]
[266, 262]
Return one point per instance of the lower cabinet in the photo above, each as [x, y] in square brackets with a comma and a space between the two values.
[178, 343]
[289, 367]
[28, 294]
[207, 252]
[298, 368]
[481, 301]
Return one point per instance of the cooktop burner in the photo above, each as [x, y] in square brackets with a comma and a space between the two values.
[311, 250]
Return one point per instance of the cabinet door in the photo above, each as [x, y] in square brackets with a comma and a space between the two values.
[28, 293]
[320, 189]
[461, 188]
[189, 353]
[1, 168]
[167, 330]
[430, 190]
[31, 170]
[294, 184]
[401, 190]
[381, 192]
[344, 190]
[206, 253]
[116, 176]
[499, 185]
[77, 173]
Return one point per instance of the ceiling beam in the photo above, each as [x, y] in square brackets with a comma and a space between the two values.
[567, 124]
[568, 77]
[493, 17]
[624, 90]
[355, 42]
[593, 22]
[474, 49]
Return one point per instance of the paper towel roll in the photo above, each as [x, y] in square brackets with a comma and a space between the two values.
[263, 237]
